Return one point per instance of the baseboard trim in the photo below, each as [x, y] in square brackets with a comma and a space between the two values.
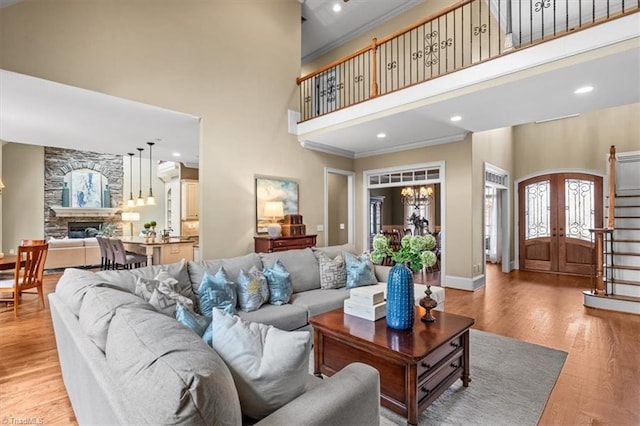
[461, 283]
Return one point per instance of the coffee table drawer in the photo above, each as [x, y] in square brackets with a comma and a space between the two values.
[429, 386]
[428, 363]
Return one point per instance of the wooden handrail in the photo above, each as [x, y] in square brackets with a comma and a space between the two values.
[333, 64]
[612, 187]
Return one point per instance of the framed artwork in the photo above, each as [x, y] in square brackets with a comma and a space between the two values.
[274, 189]
[86, 188]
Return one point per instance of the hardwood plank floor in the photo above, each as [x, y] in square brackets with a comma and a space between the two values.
[599, 384]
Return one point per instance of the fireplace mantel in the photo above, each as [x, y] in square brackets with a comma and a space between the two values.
[84, 211]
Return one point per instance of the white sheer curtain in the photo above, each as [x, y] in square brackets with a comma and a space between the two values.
[493, 222]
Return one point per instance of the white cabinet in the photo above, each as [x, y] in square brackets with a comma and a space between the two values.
[189, 203]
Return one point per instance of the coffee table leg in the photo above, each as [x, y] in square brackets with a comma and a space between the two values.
[465, 373]
[317, 353]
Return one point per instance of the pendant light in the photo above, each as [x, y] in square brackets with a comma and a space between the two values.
[140, 200]
[151, 201]
[130, 202]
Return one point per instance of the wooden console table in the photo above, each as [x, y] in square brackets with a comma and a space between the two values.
[265, 244]
[416, 366]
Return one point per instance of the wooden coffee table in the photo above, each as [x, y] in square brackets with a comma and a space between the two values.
[416, 366]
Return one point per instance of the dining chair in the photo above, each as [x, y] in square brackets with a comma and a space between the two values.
[28, 273]
[106, 253]
[122, 258]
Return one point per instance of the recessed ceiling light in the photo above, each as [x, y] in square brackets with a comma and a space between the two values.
[337, 8]
[176, 154]
[381, 135]
[456, 118]
[582, 90]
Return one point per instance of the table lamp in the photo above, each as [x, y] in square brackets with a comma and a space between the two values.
[130, 217]
[274, 209]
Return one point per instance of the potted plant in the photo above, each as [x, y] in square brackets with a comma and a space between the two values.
[416, 253]
[146, 231]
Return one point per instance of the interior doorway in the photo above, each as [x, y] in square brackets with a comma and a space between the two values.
[339, 214]
[556, 211]
[497, 239]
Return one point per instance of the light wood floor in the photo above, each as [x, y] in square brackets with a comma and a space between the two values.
[599, 384]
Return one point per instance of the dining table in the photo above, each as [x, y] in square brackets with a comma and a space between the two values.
[8, 262]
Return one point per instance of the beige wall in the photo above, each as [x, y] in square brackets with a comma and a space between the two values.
[23, 197]
[494, 147]
[580, 142]
[204, 60]
[458, 197]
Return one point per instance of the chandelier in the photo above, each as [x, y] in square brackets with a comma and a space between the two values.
[416, 195]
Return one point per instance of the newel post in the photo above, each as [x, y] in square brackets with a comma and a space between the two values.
[374, 67]
[612, 186]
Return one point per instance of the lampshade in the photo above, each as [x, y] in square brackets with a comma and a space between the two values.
[130, 216]
[273, 209]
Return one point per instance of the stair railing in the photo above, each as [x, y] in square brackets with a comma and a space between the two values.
[602, 260]
[462, 35]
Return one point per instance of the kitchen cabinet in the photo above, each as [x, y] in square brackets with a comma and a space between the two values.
[190, 206]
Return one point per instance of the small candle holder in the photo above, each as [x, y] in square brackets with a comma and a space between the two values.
[428, 304]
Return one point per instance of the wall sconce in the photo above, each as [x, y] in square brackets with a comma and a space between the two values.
[274, 209]
[1, 185]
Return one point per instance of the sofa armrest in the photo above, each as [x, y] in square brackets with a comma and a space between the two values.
[349, 397]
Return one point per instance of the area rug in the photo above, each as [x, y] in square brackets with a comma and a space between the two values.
[511, 381]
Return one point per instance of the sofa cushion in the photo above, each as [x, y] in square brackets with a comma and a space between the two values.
[279, 282]
[301, 264]
[129, 277]
[216, 291]
[320, 301]
[269, 366]
[90, 242]
[332, 271]
[65, 242]
[232, 266]
[285, 317]
[98, 308]
[253, 290]
[359, 270]
[73, 285]
[333, 251]
[169, 372]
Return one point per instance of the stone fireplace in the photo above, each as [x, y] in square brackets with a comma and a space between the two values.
[59, 163]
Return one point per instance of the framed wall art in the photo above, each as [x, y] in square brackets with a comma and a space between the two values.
[274, 189]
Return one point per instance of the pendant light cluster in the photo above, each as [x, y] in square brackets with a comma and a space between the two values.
[140, 201]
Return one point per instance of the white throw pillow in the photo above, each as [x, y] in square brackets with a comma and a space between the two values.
[269, 366]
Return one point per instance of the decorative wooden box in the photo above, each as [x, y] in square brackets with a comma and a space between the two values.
[293, 219]
[293, 230]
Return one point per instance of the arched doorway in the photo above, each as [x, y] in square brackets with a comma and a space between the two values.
[556, 211]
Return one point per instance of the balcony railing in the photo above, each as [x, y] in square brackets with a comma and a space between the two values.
[465, 34]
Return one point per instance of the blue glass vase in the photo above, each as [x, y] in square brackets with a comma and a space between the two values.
[400, 309]
[106, 197]
[65, 195]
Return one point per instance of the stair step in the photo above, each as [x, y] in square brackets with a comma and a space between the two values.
[629, 304]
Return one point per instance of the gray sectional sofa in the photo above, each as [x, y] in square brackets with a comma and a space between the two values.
[123, 362]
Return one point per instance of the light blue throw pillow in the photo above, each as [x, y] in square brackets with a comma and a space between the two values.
[217, 291]
[208, 334]
[279, 281]
[253, 290]
[359, 270]
[194, 321]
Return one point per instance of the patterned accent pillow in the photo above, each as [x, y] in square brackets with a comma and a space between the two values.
[194, 321]
[162, 293]
[359, 270]
[279, 281]
[332, 272]
[216, 291]
[253, 290]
